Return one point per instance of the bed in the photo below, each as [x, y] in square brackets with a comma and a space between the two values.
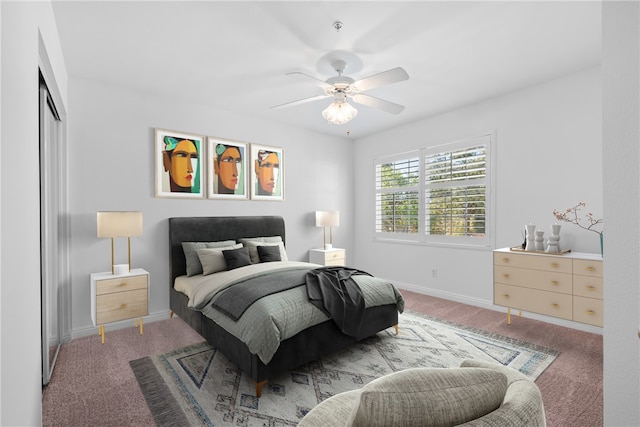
[321, 338]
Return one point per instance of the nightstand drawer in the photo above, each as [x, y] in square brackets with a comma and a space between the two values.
[121, 284]
[121, 305]
[333, 257]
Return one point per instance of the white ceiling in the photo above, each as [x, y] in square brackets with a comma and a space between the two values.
[234, 55]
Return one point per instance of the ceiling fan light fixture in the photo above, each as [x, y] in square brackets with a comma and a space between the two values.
[339, 112]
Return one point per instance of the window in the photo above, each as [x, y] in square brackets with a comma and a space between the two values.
[436, 194]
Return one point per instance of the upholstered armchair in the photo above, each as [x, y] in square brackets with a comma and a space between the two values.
[476, 394]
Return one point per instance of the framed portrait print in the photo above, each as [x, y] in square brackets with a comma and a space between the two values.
[227, 169]
[179, 164]
[267, 173]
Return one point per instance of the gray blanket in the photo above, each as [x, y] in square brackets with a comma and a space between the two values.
[234, 300]
[333, 290]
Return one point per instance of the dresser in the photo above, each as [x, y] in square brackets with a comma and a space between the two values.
[328, 257]
[567, 286]
[116, 297]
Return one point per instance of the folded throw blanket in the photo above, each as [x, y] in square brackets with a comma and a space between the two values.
[333, 291]
[234, 300]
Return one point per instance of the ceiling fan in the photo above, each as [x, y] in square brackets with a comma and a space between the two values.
[342, 88]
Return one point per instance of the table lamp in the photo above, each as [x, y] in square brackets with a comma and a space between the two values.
[327, 219]
[114, 224]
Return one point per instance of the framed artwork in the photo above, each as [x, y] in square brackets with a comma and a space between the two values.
[227, 169]
[179, 164]
[267, 173]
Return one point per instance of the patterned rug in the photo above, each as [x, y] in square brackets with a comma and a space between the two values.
[198, 386]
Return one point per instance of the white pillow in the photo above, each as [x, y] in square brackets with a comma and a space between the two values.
[252, 246]
[212, 259]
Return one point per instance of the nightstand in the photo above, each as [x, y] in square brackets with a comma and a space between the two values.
[335, 256]
[117, 297]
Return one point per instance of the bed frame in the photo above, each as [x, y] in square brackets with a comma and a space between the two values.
[308, 345]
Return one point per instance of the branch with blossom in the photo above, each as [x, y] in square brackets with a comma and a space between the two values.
[571, 215]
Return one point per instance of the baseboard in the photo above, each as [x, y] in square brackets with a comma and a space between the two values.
[476, 302]
[93, 330]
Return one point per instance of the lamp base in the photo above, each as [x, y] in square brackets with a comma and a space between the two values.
[328, 246]
[121, 269]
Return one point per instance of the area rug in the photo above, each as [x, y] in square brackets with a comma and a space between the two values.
[198, 386]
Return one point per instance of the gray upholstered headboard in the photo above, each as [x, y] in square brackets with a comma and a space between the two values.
[213, 229]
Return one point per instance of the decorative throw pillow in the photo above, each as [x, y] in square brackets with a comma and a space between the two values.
[252, 246]
[429, 396]
[194, 266]
[236, 257]
[269, 253]
[212, 259]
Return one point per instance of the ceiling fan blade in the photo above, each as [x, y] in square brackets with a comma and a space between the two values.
[300, 101]
[302, 76]
[388, 77]
[381, 104]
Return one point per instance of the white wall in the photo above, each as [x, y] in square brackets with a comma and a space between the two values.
[111, 167]
[548, 157]
[621, 155]
[20, 217]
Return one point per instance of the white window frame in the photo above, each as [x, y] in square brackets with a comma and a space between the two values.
[421, 237]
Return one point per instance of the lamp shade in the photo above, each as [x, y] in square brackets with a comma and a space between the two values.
[327, 218]
[119, 224]
[339, 112]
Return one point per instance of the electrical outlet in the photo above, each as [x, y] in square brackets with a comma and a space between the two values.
[434, 272]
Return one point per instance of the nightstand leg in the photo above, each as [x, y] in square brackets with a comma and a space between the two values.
[101, 332]
[508, 316]
[141, 326]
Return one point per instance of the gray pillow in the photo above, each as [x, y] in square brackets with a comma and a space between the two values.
[252, 246]
[429, 396]
[191, 257]
[269, 253]
[212, 259]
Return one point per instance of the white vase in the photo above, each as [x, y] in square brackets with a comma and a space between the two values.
[539, 240]
[531, 238]
[554, 240]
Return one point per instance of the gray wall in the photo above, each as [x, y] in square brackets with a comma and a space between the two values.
[111, 167]
[621, 155]
[549, 139]
[29, 37]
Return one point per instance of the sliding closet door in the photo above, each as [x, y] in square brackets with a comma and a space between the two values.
[54, 241]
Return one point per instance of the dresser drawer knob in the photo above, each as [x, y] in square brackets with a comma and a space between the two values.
[591, 312]
[505, 275]
[591, 288]
[555, 305]
[591, 268]
[555, 265]
[123, 306]
[505, 260]
[506, 296]
[555, 282]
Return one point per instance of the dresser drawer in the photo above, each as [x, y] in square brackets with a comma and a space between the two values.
[535, 262]
[533, 300]
[537, 279]
[120, 284]
[587, 286]
[588, 310]
[585, 267]
[121, 305]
